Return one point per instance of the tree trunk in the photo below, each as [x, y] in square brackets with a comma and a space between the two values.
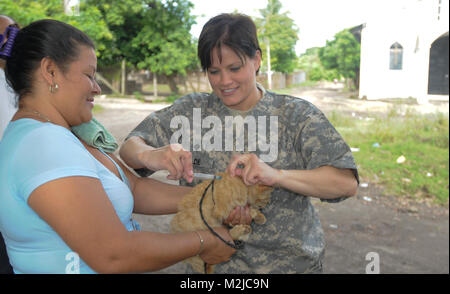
[191, 85]
[107, 83]
[189, 77]
[172, 84]
[199, 83]
[356, 80]
[348, 81]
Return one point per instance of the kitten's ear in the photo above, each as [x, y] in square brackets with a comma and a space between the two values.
[263, 188]
[259, 189]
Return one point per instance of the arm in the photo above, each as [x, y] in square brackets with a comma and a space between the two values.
[86, 220]
[317, 148]
[132, 150]
[137, 154]
[153, 197]
[325, 182]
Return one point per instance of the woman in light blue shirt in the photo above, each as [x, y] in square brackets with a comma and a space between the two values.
[66, 206]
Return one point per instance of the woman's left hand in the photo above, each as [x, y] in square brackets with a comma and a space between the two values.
[239, 216]
[254, 170]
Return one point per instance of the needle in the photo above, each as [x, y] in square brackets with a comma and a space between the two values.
[202, 176]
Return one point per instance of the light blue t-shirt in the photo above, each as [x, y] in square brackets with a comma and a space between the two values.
[33, 153]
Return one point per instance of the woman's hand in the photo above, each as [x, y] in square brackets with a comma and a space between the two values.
[173, 158]
[254, 170]
[325, 182]
[137, 154]
[215, 250]
[239, 216]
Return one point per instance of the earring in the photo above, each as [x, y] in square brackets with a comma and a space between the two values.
[54, 88]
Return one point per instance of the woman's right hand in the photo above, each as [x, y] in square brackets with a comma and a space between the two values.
[172, 158]
[215, 250]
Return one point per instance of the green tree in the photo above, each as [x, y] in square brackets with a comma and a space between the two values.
[154, 35]
[164, 44]
[282, 34]
[122, 18]
[90, 20]
[342, 54]
[313, 67]
[148, 34]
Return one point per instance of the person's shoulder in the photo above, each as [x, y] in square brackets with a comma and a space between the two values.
[196, 99]
[185, 105]
[48, 134]
[49, 129]
[292, 106]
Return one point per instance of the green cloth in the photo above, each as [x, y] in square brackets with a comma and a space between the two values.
[96, 135]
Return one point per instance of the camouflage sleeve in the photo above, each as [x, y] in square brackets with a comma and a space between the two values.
[155, 128]
[320, 144]
[153, 132]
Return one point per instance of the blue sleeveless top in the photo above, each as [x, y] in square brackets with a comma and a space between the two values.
[33, 153]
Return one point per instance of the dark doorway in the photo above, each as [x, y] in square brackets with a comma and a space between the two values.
[438, 71]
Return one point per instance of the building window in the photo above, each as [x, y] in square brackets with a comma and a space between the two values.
[396, 56]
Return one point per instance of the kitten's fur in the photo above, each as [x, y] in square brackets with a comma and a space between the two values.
[229, 192]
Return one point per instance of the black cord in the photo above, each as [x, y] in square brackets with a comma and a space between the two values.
[237, 244]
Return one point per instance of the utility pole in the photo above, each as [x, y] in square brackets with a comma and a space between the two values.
[155, 85]
[124, 73]
[269, 69]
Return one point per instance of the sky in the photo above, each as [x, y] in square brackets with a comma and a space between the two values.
[318, 20]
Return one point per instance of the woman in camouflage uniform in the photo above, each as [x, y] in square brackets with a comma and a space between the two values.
[304, 157]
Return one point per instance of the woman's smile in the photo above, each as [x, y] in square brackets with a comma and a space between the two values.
[90, 101]
[233, 79]
[229, 92]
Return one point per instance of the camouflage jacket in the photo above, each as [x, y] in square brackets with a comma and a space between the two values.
[287, 133]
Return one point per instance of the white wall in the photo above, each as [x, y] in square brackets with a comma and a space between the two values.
[415, 26]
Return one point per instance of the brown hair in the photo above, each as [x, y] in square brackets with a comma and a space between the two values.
[237, 31]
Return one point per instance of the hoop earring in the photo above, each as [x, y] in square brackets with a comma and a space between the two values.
[54, 88]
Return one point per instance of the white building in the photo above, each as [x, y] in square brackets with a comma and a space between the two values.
[404, 51]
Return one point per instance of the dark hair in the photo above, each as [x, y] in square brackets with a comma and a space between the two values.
[43, 38]
[237, 31]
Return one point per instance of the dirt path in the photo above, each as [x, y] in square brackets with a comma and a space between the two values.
[329, 97]
[408, 237]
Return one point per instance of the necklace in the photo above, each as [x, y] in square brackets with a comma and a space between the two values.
[37, 113]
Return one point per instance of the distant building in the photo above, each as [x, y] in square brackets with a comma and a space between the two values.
[404, 51]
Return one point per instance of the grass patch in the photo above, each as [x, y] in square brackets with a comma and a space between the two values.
[97, 109]
[161, 88]
[422, 139]
[168, 99]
